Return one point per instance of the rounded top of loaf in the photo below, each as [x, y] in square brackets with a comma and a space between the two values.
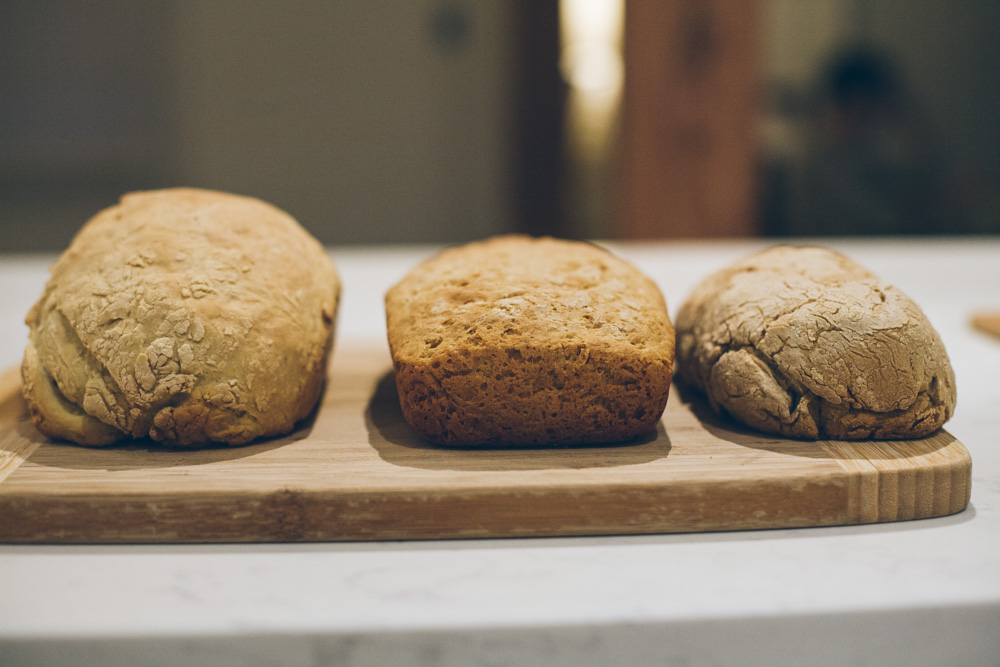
[190, 220]
[193, 246]
[519, 292]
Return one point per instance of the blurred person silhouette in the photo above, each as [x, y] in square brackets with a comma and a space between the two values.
[871, 164]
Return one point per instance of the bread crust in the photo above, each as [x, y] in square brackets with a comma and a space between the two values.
[185, 315]
[516, 341]
[804, 342]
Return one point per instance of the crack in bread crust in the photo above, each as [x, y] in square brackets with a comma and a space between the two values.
[56, 416]
[803, 342]
[185, 315]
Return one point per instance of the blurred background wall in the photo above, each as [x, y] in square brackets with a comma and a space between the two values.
[448, 120]
[368, 121]
[880, 117]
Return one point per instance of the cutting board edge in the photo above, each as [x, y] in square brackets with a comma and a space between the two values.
[291, 516]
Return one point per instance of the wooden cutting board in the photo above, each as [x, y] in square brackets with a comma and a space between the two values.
[355, 471]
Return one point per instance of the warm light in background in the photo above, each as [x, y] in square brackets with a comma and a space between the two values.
[591, 59]
[592, 64]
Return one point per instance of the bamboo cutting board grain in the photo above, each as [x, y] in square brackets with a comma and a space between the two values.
[355, 471]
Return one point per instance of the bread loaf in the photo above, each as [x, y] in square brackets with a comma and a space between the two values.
[188, 316]
[803, 342]
[521, 341]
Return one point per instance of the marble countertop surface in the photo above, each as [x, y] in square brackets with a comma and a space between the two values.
[912, 593]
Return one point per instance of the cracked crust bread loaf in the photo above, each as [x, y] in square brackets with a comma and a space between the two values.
[804, 342]
[521, 341]
[185, 315]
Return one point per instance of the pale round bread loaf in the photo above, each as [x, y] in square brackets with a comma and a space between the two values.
[185, 315]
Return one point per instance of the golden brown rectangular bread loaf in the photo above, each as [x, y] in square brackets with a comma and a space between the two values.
[522, 341]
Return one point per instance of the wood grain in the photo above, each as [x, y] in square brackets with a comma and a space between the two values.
[355, 471]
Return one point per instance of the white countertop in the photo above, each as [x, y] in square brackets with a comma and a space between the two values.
[911, 593]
